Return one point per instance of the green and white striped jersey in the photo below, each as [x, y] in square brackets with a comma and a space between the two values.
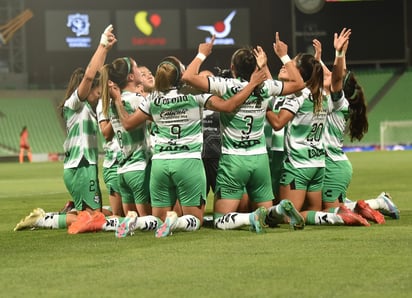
[338, 113]
[133, 147]
[303, 134]
[178, 119]
[243, 130]
[277, 136]
[111, 148]
[82, 129]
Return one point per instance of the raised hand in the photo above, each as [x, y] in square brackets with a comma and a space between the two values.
[206, 47]
[257, 77]
[340, 40]
[261, 57]
[280, 48]
[108, 38]
[317, 45]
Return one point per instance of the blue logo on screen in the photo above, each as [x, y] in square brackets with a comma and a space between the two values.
[79, 24]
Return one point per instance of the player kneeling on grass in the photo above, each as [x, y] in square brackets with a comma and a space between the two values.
[84, 221]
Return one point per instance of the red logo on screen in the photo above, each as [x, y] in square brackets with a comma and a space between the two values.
[146, 24]
[220, 29]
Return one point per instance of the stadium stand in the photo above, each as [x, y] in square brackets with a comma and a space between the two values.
[38, 111]
[395, 105]
[373, 81]
[387, 90]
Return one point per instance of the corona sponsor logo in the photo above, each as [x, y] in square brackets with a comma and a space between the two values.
[220, 29]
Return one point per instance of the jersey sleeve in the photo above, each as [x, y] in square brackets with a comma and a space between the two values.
[73, 102]
[217, 86]
[291, 104]
[145, 106]
[273, 87]
[202, 99]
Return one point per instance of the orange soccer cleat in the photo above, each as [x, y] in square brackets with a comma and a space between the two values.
[367, 212]
[87, 222]
[351, 218]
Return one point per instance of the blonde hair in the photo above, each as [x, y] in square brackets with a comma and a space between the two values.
[168, 74]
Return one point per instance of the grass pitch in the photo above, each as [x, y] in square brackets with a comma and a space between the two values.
[320, 261]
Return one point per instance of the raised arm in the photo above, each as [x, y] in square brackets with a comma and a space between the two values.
[262, 60]
[317, 45]
[295, 82]
[216, 103]
[129, 121]
[340, 43]
[191, 75]
[107, 41]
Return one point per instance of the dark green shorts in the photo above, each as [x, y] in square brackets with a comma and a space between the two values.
[83, 185]
[238, 174]
[177, 179]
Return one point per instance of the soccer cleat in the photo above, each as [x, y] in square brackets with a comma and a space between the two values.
[257, 220]
[166, 228]
[297, 222]
[351, 218]
[30, 220]
[364, 210]
[390, 208]
[67, 208]
[271, 222]
[126, 225]
[87, 222]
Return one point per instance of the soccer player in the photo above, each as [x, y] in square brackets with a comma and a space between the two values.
[303, 117]
[81, 156]
[177, 171]
[244, 165]
[349, 118]
[110, 163]
[133, 167]
[25, 145]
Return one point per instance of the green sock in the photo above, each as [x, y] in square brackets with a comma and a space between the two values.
[62, 224]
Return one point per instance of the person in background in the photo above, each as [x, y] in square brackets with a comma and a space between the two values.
[25, 145]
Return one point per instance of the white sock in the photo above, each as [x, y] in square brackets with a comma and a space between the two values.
[187, 223]
[327, 218]
[233, 220]
[147, 223]
[376, 204]
[351, 206]
[110, 224]
[49, 221]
